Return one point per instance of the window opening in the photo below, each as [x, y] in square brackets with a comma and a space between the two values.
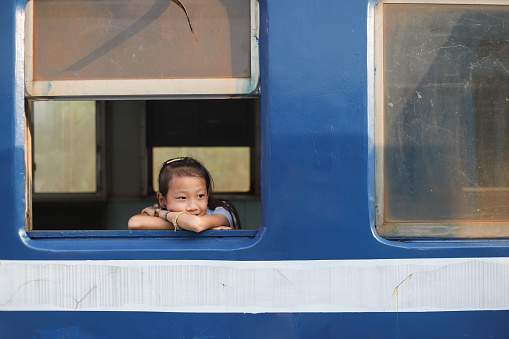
[126, 143]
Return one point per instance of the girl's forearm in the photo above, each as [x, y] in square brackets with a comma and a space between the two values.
[165, 220]
[146, 222]
[195, 223]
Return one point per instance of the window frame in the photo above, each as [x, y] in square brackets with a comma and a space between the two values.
[439, 230]
[147, 88]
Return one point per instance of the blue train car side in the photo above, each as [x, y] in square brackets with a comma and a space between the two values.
[316, 267]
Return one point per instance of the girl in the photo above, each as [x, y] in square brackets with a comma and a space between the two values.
[185, 201]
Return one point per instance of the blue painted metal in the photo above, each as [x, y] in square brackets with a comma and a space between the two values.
[316, 192]
[315, 152]
[50, 325]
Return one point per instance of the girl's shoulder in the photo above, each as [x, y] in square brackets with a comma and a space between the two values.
[220, 210]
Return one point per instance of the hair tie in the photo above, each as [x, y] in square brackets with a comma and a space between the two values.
[173, 160]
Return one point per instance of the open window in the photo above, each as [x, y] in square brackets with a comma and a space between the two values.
[100, 160]
[114, 87]
[442, 120]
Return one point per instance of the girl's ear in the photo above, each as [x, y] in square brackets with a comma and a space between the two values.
[161, 198]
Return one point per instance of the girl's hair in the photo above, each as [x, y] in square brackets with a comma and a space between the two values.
[190, 167]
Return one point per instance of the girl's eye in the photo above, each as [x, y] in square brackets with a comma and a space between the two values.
[181, 198]
[201, 196]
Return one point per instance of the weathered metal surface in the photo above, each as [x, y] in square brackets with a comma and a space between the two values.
[408, 285]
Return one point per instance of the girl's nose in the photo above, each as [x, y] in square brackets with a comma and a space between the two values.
[191, 206]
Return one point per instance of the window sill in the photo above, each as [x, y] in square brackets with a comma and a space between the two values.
[140, 234]
[444, 231]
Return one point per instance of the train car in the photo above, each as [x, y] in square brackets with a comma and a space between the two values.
[364, 143]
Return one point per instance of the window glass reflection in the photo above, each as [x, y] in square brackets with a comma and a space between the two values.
[446, 112]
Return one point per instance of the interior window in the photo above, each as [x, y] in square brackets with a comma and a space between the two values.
[221, 133]
[443, 121]
[228, 166]
[64, 134]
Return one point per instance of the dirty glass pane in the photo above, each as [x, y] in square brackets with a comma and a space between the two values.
[446, 112]
[229, 167]
[141, 39]
[64, 140]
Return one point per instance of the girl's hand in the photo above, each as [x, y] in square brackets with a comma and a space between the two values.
[221, 228]
[150, 210]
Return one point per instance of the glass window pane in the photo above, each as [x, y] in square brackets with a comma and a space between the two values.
[446, 113]
[64, 146]
[229, 166]
[141, 39]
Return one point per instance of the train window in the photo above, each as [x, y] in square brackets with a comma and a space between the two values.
[64, 134]
[120, 55]
[141, 48]
[442, 120]
[228, 166]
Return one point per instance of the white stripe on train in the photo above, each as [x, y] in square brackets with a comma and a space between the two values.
[391, 285]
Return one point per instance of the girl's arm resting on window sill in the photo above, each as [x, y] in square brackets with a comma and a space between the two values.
[185, 221]
[198, 223]
[146, 222]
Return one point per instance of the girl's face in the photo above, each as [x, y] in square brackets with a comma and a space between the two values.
[186, 194]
